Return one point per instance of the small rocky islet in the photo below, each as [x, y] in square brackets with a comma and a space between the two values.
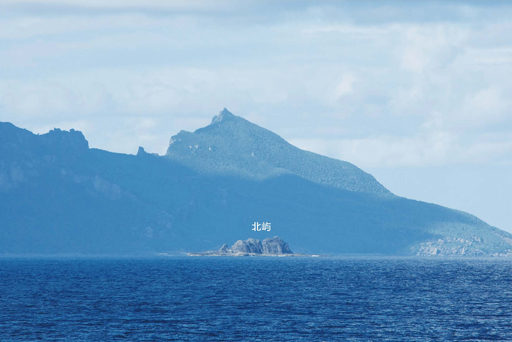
[274, 246]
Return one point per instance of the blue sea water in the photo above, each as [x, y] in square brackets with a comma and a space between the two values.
[255, 299]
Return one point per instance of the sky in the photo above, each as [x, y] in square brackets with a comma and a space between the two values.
[419, 94]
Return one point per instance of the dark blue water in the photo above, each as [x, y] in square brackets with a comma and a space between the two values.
[255, 299]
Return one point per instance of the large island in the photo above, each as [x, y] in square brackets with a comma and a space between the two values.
[58, 196]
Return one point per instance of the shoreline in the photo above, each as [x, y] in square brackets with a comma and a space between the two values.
[241, 254]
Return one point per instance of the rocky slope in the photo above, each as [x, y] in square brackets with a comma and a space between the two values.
[235, 146]
[274, 246]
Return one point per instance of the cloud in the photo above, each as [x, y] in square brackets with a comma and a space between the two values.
[25, 27]
[53, 99]
[44, 100]
[484, 106]
[345, 86]
[351, 30]
[438, 148]
[152, 96]
[435, 46]
[414, 59]
[79, 6]
[385, 151]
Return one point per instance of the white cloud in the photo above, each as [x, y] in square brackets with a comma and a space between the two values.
[47, 99]
[433, 46]
[414, 59]
[152, 96]
[53, 99]
[38, 26]
[353, 31]
[123, 4]
[386, 151]
[484, 106]
[429, 148]
[345, 86]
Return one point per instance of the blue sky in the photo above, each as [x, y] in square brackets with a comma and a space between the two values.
[417, 93]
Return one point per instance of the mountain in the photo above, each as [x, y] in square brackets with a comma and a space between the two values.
[57, 195]
[233, 145]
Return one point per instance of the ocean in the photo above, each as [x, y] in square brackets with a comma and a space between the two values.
[255, 299]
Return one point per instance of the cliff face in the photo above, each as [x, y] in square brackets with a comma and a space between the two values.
[273, 245]
[247, 246]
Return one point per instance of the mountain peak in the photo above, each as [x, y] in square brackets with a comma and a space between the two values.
[222, 116]
[231, 145]
[68, 140]
[141, 151]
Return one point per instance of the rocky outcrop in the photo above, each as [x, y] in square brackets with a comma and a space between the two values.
[275, 245]
[141, 151]
[252, 247]
[247, 246]
[224, 249]
[65, 141]
[453, 247]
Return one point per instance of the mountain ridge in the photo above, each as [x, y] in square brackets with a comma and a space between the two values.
[232, 145]
[57, 195]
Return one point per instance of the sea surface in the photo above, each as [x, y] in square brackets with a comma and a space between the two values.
[255, 299]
